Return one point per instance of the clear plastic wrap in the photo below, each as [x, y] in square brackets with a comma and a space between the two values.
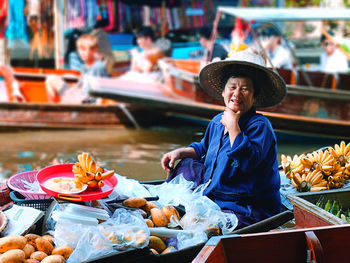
[126, 229]
[127, 188]
[92, 244]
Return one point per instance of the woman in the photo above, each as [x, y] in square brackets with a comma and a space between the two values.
[147, 60]
[237, 156]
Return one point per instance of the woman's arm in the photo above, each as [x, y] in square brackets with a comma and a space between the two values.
[252, 146]
[169, 158]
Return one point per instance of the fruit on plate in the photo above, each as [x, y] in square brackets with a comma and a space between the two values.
[87, 172]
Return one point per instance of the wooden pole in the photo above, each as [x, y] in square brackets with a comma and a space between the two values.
[163, 19]
[214, 34]
[2, 51]
[58, 27]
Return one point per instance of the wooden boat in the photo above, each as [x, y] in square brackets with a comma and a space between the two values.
[308, 214]
[37, 113]
[315, 110]
[322, 244]
[182, 95]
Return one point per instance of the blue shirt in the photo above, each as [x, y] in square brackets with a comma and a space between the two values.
[245, 176]
[98, 69]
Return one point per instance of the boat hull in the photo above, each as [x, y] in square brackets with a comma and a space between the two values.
[163, 99]
[322, 244]
[48, 116]
[312, 110]
[37, 113]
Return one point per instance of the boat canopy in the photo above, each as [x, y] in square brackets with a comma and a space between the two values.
[286, 14]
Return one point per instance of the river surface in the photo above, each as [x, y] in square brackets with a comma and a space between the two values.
[132, 153]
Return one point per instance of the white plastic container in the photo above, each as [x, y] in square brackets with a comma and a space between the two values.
[86, 211]
[84, 220]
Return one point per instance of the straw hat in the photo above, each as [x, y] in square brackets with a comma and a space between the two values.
[269, 87]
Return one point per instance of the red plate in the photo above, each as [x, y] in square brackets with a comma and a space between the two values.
[65, 170]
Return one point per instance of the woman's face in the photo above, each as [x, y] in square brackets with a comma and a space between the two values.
[329, 47]
[144, 42]
[87, 54]
[238, 94]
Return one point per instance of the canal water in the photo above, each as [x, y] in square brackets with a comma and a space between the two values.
[130, 152]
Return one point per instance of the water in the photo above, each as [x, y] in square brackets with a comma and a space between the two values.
[132, 153]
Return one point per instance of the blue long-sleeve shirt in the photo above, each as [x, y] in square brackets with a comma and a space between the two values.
[244, 176]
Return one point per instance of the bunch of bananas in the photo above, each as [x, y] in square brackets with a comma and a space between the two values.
[319, 170]
[87, 172]
[292, 165]
[341, 154]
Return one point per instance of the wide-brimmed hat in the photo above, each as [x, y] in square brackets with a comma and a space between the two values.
[269, 87]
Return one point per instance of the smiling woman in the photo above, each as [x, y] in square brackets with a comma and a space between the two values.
[236, 160]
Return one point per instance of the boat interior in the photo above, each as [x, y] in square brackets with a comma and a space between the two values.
[32, 82]
[291, 77]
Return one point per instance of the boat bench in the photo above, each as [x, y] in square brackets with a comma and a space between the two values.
[289, 76]
[318, 79]
[343, 81]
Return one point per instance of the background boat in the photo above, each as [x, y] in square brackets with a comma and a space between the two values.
[317, 103]
[37, 113]
[181, 95]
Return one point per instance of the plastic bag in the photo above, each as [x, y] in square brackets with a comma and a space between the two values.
[177, 191]
[92, 245]
[185, 240]
[203, 213]
[66, 233]
[32, 187]
[127, 188]
[126, 229]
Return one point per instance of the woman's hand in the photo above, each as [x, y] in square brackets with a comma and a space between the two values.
[169, 159]
[230, 120]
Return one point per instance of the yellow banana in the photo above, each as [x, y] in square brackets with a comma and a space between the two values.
[317, 177]
[98, 176]
[107, 175]
[92, 183]
[101, 183]
[347, 148]
[309, 175]
[297, 179]
[92, 166]
[294, 183]
[86, 171]
[337, 149]
[342, 147]
[321, 184]
[315, 189]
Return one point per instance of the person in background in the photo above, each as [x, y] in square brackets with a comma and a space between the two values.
[105, 52]
[146, 61]
[332, 59]
[211, 53]
[57, 89]
[71, 57]
[7, 78]
[236, 160]
[278, 54]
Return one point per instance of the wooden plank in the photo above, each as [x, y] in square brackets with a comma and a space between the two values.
[282, 246]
